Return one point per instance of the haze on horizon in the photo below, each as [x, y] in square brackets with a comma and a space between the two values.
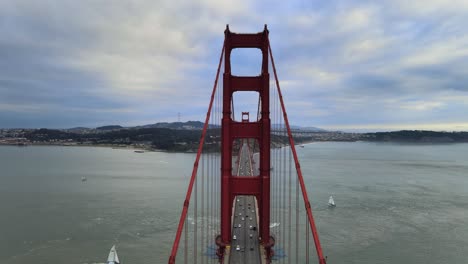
[343, 65]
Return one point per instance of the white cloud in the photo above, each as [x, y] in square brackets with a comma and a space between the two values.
[355, 19]
[429, 7]
[368, 47]
[317, 75]
[343, 62]
[442, 51]
[6, 107]
[304, 21]
[421, 105]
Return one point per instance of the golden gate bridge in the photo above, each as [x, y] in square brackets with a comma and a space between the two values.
[246, 201]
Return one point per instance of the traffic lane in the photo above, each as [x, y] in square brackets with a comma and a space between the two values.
[245, 247]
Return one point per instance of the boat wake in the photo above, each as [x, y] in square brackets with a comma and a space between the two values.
[273, 225]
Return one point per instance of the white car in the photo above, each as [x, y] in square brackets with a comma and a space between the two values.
[238, 248]
[239, 225]
[234, 237]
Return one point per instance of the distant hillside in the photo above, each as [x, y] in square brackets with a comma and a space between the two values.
[418, 136]
[111, 127]
[190, 125]
[299, 128]
[312, 129]
[157, 138]
[77, 129]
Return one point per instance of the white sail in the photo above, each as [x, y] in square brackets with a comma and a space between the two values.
[331, 202]
[113, 258]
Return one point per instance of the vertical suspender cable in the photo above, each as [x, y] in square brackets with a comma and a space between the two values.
[275, 171]
[213, 207]
[280, 181]
[278, 160]
[220, 92]
[213, 197]
[289, 208]
[297, 219]
[213, 156]
[195, 219]
[278, 132]
[210, 191]
[202, 239]
[272, 163]
[185, 241]
[215, 174]
[278, 173]
[308, 208]
[208, 212]
[194, 171]
[207, 180]
[210, 175]
[307, 240]
[284, 192]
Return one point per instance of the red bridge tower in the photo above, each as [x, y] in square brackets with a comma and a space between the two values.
[258, 186]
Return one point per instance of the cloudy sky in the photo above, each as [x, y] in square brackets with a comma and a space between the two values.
[342, 64]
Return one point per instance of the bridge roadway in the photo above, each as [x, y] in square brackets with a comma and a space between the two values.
[245, 248]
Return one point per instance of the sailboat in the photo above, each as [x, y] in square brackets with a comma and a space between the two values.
[331, 202]
[113, 258]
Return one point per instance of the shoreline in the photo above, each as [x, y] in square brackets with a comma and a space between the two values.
[130, 147]
[82, 145]
[148, 149]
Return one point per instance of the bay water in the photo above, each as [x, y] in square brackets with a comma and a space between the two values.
[396, 203]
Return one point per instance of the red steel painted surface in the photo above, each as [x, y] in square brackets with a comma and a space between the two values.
[258, 186]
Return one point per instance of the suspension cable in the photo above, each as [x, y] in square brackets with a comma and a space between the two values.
[318, 247]
[195, 168]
